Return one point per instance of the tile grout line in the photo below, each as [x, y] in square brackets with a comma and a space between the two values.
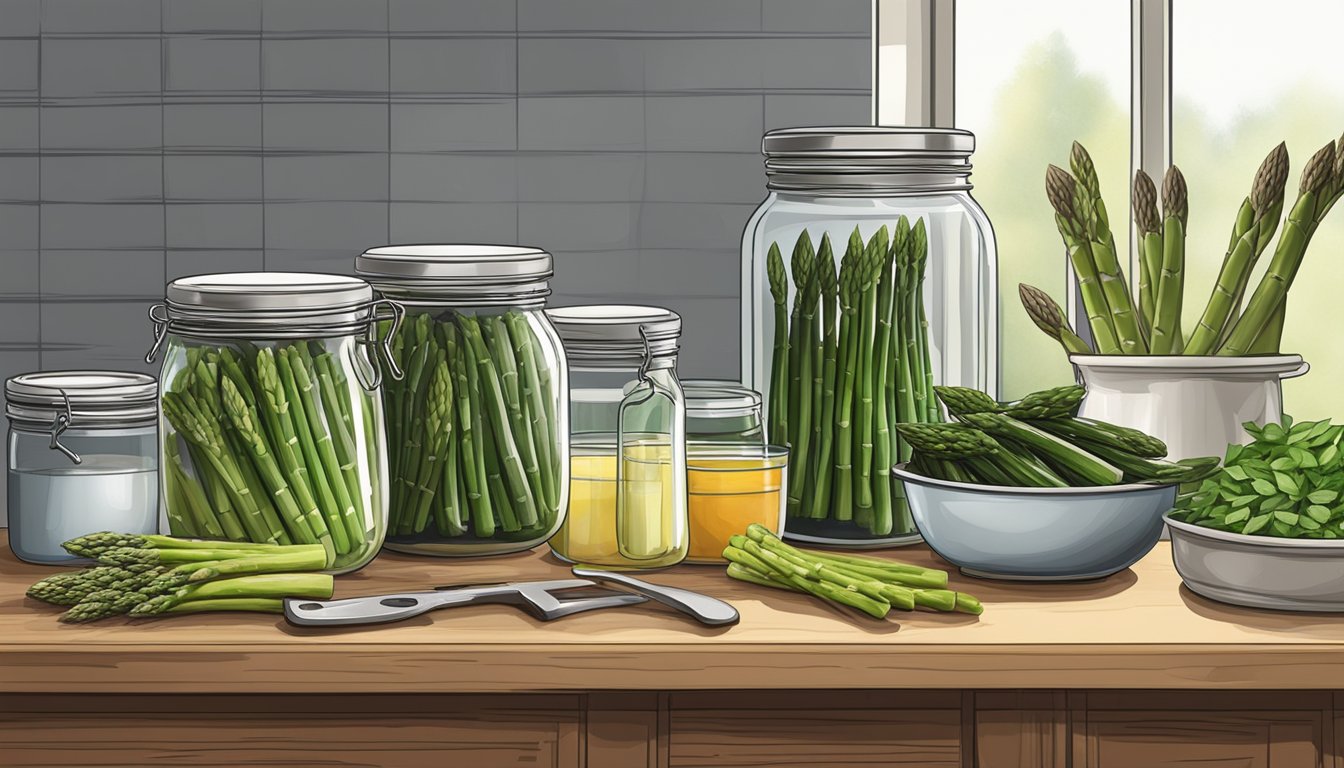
[39, 187]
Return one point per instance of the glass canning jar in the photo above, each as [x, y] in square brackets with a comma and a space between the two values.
[924, 308]
[734, 478]
[272, 425]
[627, 497]
[480, 424]
[81, 458]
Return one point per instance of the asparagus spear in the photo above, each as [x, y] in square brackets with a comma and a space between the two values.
[1254, 228]
[322, 483]
[885, 317]
[339, 424]
[1061, 188]
[340, 486]
[275, 405]
[1148, 226]
[1048, 316]
[1061, 455]
[920, 381]
[874, 256]
[1167, 334]
[1087, 432]
[438, 433]
[271, 585]
[824, 262]
[847, 351]
[1320, 186]
[519, 425]
[534, 396]
[522, 502]
[1095, 226]
[800, 365]
[779, 362]
[819, 501]
[473, 441]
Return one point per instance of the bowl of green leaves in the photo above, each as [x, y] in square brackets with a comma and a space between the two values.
[1267, 531]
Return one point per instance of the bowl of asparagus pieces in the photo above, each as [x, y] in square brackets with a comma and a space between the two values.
[1193, 386]
[1029, 491]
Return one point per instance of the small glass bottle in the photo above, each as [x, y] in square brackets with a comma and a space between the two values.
[734, 477]
[627, 493]
[82, 447]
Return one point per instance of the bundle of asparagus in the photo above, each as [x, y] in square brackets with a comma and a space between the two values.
[1039, 442]
[1154, 326]
[868, 584]
[849, 362]
[272, 445]
[473, 430]
[160, 575]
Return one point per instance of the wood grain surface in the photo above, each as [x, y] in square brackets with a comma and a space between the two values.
[1137, 629]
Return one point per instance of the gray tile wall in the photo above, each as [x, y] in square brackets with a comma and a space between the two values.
[142, 140]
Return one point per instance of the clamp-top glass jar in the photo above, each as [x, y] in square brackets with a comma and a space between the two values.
[896, 267]
[81, 458]
[479, 425]
[627, 501]
[272, 424]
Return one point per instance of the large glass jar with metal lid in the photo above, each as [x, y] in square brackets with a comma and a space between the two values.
[868, 277]
[479, 426]
[627, 496]
[272, 424]
[81, 458]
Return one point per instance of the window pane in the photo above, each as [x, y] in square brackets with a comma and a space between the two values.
[1245, 76]
[1033, 76]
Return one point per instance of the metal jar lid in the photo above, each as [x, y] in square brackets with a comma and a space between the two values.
[616, 334]
[287, 305]
[464, 274]
[719, 399]
[866, 160]
[54, 401]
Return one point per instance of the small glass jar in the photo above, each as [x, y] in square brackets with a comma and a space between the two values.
[81, 458]
[734, 477]
[272, 426]
[825, 185]
[486, 472]
[627, 497]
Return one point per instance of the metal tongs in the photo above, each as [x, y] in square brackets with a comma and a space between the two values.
[545, 600]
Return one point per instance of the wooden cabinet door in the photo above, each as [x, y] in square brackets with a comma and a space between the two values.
[406, 731]
[804, 729]
[1157, 729]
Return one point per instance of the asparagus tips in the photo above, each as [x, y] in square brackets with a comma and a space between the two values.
[1050, 318]
[1149, 229]
[1167, 337]
[847, 347]
[1317, 192]
[779, 363]
[824, 466]
[1061, 190]
[800, 367]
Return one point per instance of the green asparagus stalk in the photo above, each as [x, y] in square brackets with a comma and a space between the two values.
[779, 362]
[534, 397]
[451, 511]
[270, 585]
[1251, 233]
[1086, 432]
[340, 480]
[1319, 188]
[275, 405]
[874, 256]
[1062, 456]
[521, 500]
[193, 494]
[1050, 318]
[847, 350]
[824, 262]
[1167, 334]
[519, 425]
[820, 499]
[339, 425]
[301, 558]
[1097, 228]
[1148, 227]
[494, 480]
[473, 441]
[867, 568]
[323, 484]
[1061, 190]
[423, 354]
[883, 347]
[800, 363]
[438, 433]
[917, 353]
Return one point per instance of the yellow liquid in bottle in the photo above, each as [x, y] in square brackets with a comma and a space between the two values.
[645, 533]
[728, 494]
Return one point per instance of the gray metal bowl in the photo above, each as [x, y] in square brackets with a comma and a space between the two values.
[1037, 534]
[1259, 571]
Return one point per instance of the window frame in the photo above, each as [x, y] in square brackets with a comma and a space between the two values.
[914, 83]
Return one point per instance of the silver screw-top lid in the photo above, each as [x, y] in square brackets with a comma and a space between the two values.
[459, 274]
[616, 333]
[719, 399]
[277, 304]
[97, 399]
[863, 160]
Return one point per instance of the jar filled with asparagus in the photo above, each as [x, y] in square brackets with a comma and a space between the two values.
[868, 277]
[478, 427]
[271, 422]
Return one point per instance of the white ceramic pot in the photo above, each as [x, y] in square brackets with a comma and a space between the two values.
[1196, 404]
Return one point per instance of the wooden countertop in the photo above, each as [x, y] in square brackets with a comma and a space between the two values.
[1137, 629]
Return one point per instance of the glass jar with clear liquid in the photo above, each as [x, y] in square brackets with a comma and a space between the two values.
[627, 493]
[835, 194]
[82, 448]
